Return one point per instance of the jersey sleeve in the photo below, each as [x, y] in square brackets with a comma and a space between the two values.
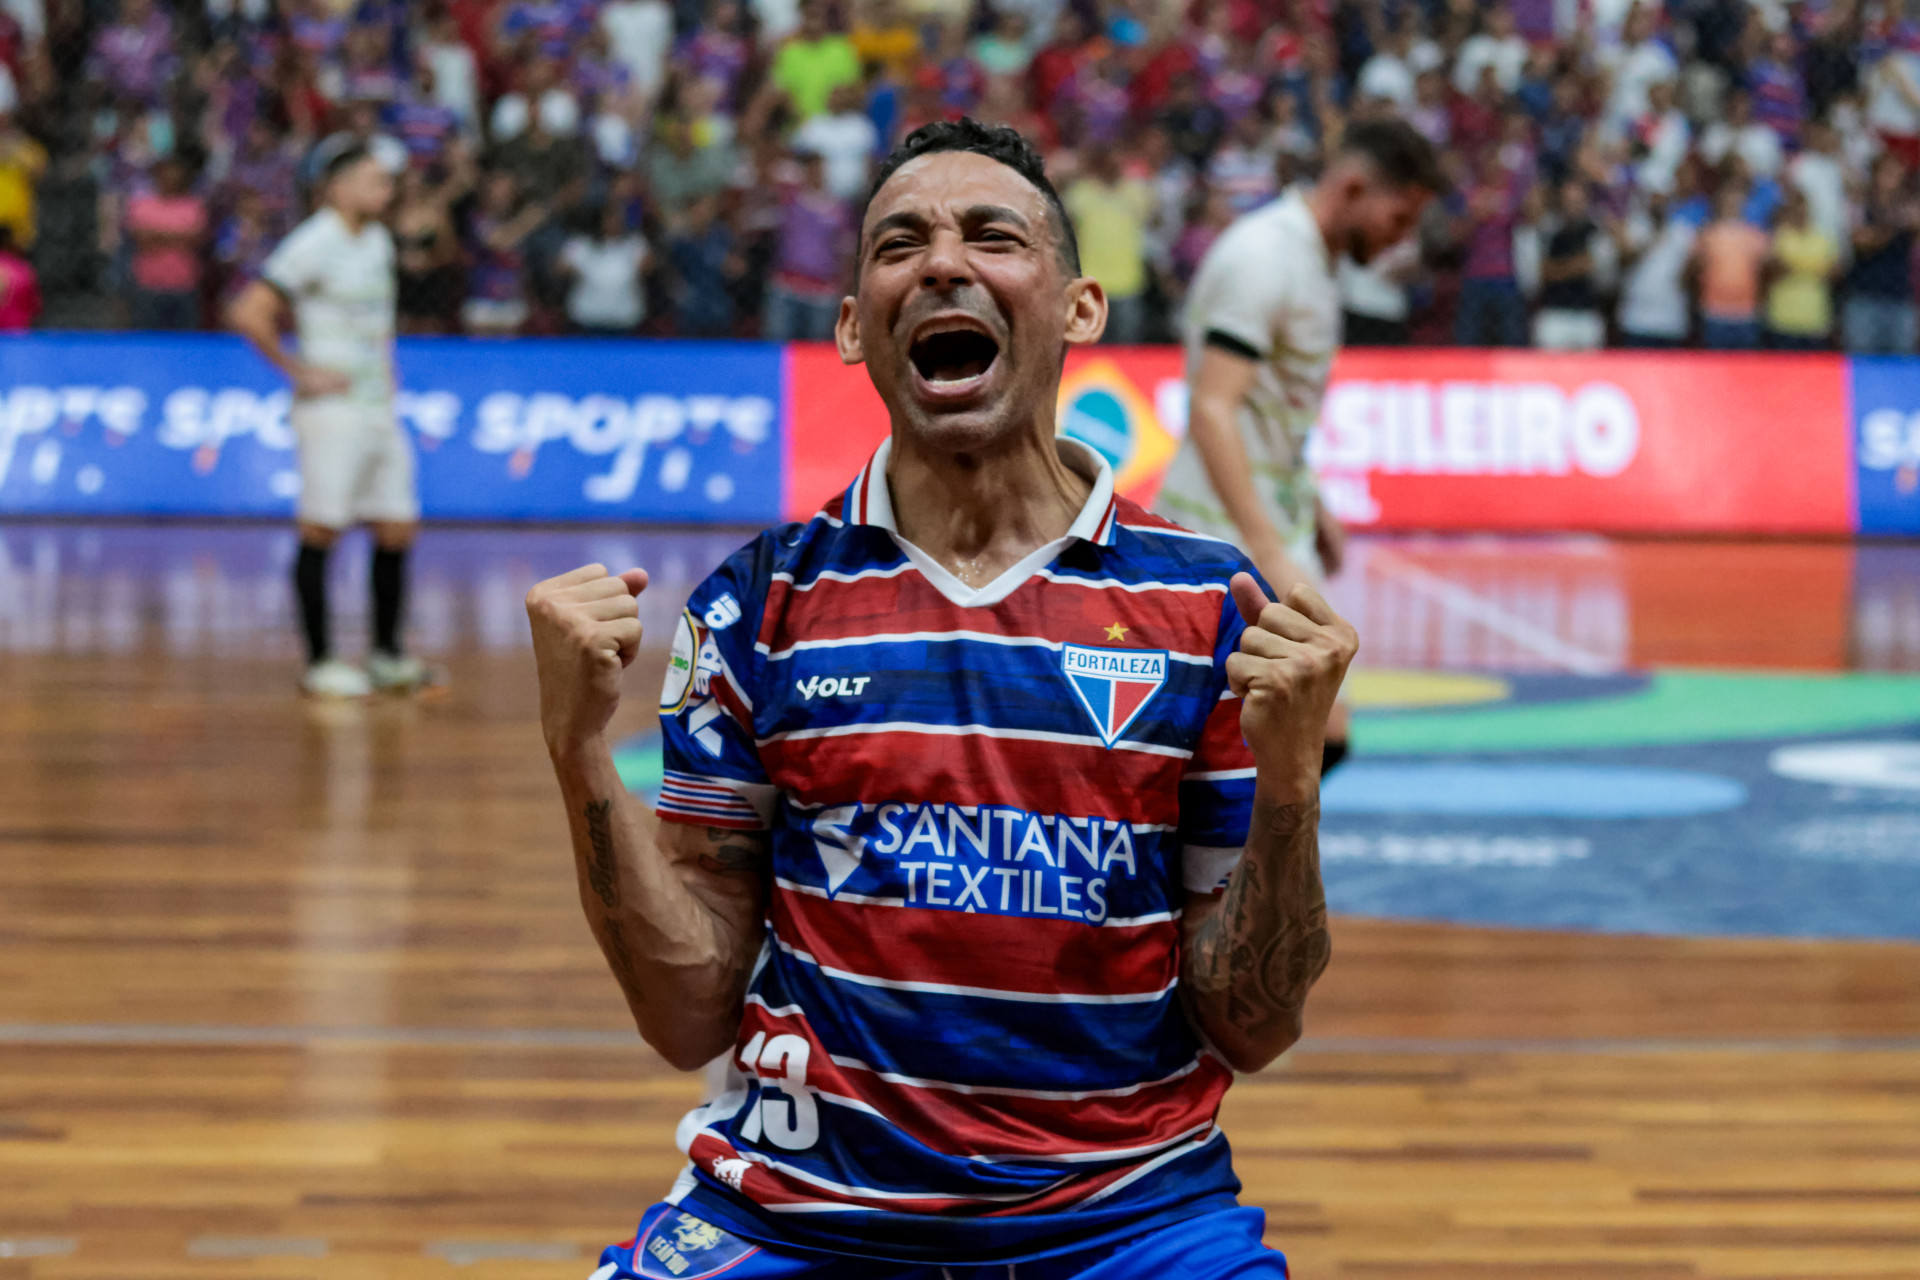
[295, 267]
[712, 771]
[1242, 306]
[1216, 792]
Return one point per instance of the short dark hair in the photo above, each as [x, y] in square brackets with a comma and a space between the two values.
[996, 142]
[343, 159]
[1398, 151]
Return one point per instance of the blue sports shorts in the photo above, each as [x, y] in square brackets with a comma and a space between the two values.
[674, 1245]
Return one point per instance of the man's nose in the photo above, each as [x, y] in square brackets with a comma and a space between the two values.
[946, 266]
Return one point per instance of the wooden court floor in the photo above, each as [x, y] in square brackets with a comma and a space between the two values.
[292, 991]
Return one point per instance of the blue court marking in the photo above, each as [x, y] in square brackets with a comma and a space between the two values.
[1813, 835]
[1800, 856]
[1526, 790]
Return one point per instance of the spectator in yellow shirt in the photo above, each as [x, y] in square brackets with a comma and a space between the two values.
[1110, 213]
[885, 37]
[1801, 269]
[22, 161]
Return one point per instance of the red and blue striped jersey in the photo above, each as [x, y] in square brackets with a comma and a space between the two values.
[963, 1039]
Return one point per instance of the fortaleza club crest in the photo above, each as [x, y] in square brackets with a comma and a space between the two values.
[1113, 684]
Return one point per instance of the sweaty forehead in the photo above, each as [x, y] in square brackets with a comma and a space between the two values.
[942, 185]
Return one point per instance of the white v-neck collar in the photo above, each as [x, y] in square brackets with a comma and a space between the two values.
[869, 501]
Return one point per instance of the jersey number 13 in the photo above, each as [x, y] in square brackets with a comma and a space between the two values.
[787, 1112]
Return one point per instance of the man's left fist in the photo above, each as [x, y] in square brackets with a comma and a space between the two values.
[1292, 659]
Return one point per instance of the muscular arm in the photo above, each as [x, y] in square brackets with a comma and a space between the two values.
[1253, 952]
[678, 913]
[1220, 386]
[256, 315]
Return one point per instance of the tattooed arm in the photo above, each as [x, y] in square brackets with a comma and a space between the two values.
[1252, 953]
[678, 913]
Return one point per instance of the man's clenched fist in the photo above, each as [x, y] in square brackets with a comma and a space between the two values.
[1292, 659]
[586, 629]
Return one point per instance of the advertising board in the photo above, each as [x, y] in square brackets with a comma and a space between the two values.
[1885, 422]
[1459, 439]
[140, 424]
[676, 432]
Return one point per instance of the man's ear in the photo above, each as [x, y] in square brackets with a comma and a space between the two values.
[1355, 180]
[1086, 312]
[846, 333]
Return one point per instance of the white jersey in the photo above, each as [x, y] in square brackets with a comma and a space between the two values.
[1267, 289]
[341, 286]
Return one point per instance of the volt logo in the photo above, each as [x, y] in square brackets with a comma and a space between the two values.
[832, 686]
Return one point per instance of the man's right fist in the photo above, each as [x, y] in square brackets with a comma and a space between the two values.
[586, 629]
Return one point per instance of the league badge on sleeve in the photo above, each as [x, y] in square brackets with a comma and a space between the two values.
[678, 686]
[692, 662]
[1113, 684]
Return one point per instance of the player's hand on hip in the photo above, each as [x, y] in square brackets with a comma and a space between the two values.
[1330, 541]
[310, 382]
[1292, 659]
[586, 629]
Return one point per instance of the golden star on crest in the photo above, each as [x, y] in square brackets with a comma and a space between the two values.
[1116, 632]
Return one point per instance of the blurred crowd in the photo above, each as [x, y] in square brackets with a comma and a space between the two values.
[1711, 172]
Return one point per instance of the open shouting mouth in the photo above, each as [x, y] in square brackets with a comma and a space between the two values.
[952, 355]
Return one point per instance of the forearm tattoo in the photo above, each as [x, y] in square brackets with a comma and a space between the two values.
[735, 853]
[603, 875]
[1251, 964]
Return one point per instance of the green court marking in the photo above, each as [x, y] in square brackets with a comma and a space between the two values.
[1677, 707]
[639, 764]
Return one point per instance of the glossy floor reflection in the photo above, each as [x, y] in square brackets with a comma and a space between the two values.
[1579, 604]
[291, 990]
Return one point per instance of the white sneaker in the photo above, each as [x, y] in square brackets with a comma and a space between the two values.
[335, 679]
[395, 672]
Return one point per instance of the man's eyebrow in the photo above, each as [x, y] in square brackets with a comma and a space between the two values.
[904, 220]
[975, 216]
[982, 213]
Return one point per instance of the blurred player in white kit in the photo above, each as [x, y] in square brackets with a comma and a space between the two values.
[1263, 324]
[335, 273]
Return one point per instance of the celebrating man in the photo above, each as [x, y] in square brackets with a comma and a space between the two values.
[988, 847]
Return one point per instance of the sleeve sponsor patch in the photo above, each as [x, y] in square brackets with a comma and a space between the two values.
[680, 665]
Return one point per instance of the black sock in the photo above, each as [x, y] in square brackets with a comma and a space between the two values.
[1332, 752]
[310, 587]
[389, 597]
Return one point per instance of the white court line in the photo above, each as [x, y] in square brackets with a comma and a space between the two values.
[464, 1253]
[1476, 608]
[191, 1035]
[256, 1247]
[188, 1035]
